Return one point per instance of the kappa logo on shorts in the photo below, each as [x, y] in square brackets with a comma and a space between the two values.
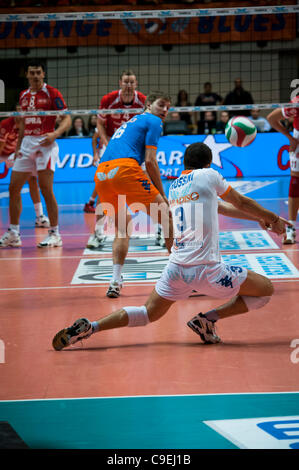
[146, 184]
[225, 281]
[101, 176]
[112, 173]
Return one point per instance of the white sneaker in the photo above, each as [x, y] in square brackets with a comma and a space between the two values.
[42, 221]
[52, 239]
[81, 329]
[114, 289]
[290, 236]
[95, 240]
[204, 328]
[10, 238]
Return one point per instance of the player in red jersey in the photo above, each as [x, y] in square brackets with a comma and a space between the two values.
[9, 131]
[126, 97]
[36, 152]
[274, 119]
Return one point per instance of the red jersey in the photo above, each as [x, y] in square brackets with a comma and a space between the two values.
[292, 112]
[113, 100]
[9, 135]
[46, 99]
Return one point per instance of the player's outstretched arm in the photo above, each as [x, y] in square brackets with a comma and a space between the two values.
[252, 208]
[102, 132]
[274, 119]
[227, 209]
[20, 137]
[152, 168]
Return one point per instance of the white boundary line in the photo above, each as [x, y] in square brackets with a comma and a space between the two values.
[152, 396]
[96, 286]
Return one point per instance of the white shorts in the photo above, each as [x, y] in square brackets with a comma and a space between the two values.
[35, 157]
[216, 280]
[294, 156]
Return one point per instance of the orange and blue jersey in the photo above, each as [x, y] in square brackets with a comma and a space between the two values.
[133, 137]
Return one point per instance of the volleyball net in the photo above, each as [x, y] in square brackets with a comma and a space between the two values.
[171, 50]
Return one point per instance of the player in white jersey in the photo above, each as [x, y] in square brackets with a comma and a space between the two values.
[195, 262]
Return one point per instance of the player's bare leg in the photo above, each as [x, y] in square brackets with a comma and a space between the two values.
[12, 236]
[154, 308]
[17, 181]
[97, 238]
[89, 206]
[293, 207]
[45, 180]
[163, 217]
[255, 292]
[120, 249]
[41, 220]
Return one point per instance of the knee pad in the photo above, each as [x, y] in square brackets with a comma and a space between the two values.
[137, 315]
[254, 303]
[294, 186]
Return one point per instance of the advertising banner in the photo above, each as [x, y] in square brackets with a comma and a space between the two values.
[266, 156]
[154, 31]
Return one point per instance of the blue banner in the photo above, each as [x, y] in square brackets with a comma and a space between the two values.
[266, 156]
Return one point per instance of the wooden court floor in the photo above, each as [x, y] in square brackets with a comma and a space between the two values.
[43, 290]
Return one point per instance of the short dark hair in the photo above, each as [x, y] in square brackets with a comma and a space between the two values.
[127, 72]
[197, 155]
[36, 63]
[156, 95]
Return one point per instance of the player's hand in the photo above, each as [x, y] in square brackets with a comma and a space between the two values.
[96, 159]
[293, 144]
[48, 139]
[264, 225]
[279, 226]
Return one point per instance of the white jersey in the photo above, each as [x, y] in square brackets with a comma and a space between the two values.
[194, 206]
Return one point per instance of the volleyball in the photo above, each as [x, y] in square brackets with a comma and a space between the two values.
[240, 131]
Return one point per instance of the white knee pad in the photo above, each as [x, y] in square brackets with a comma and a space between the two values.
[254, 303]
[137, 315]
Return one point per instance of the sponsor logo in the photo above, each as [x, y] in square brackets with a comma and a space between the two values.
[295, 354]
[187, 198]
[2, 352]
[246, 240]
[99, 271]
[271, 265]
[279, 432]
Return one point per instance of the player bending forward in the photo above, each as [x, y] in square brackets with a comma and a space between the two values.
[194, 263]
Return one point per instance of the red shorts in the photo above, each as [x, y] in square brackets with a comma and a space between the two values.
[125, 178]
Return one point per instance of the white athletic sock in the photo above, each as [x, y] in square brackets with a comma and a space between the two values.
[212, 315]
[95, 326]
[38, 207]
[54, 230]
[91, 200]
[117, 269]
[99, 227]
[15, 228]
[293, 222]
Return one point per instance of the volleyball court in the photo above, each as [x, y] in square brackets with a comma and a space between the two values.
[158, 386]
